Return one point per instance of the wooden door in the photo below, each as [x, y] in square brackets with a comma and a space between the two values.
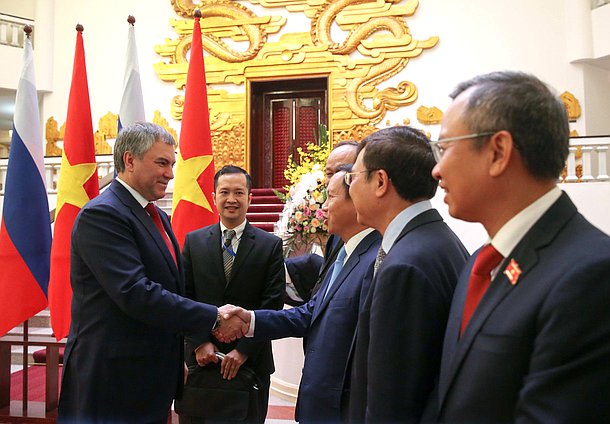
[285, 116]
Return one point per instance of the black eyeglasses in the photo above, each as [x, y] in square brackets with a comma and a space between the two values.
[438, 146]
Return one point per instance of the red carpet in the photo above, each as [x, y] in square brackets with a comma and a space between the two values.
[278, 412]
[265, 208]
[36, 384]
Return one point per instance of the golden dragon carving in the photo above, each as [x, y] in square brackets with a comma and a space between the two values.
[390, 98]
[227, 10]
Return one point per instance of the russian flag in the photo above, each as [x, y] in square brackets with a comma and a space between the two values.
[25, 234]
[132, 102]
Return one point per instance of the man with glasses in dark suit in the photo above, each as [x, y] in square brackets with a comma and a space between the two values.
[396, 354]
[528, 337]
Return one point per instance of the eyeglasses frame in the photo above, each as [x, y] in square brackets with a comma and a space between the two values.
[439, 151]
[347, 178]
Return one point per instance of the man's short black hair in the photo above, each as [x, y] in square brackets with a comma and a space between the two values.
[232, 169]
[405, 154]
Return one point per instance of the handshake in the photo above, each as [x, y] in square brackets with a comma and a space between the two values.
[234, 323]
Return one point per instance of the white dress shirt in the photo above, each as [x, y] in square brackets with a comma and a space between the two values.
[511, 233]
[400, 221]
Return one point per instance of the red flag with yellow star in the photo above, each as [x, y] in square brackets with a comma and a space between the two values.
[192, 203]
[78, 184]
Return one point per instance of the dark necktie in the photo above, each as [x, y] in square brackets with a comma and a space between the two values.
[228, 255]
[379, 259]
[480, 279]
[156, 218]
[336, 269]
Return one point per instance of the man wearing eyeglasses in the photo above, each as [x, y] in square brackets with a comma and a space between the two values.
[528, 337]
[305, 274]
[397, 351]
[329, 318]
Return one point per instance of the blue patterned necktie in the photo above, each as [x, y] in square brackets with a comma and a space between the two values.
[228, 255]
[336, 269]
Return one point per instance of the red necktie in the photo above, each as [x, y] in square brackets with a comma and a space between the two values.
[154, 214]
[480, 279]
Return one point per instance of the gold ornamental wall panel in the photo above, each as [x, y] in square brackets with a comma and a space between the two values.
[376, 45]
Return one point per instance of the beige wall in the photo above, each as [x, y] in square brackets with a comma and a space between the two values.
[20, 8]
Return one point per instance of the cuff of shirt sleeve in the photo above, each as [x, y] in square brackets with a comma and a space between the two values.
[250, 332]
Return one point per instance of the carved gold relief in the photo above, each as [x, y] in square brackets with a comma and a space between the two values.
[52, 135]
[377, 46]
[107, 129]
[101, 145]
[572, 105]
[160, 120]
[429, 115]
[108, 126]
[229, 147]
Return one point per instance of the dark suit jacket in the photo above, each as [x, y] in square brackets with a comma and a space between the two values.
[329, 324]
[303, 271]
[257, 282]
[539, 350]
[307, 272]
[123, 360]
[400, 330]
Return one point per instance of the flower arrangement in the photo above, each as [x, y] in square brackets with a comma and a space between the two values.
[302, 223]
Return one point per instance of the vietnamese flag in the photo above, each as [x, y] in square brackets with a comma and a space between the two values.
[78, 183]
[192, 203]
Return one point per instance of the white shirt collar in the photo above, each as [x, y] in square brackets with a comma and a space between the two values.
[239, 230]
[352, 243]
[515, 229]
[400, 221]
[139, 198]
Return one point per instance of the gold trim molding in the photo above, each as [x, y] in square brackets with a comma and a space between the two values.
[107, 130]
[377, 46]
[572, 106]
[429, 115]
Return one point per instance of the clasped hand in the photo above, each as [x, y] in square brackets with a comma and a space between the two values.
[231, 362]
[234, 323]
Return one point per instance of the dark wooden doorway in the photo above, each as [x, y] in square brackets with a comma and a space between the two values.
[284, 115]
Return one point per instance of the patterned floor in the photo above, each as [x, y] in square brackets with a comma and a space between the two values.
[280, 411]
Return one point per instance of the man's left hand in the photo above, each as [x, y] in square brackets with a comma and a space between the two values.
[231, 364]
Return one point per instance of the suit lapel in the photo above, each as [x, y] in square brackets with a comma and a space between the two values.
[345, 271]
[526, 256]
[452, 333]
[243, 251]
[128, 200]
[351, 263]
[213, 242]
[431, 215]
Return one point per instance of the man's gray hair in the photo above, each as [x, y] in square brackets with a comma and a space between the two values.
[138, 138]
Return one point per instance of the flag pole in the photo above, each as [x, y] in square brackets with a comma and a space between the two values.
[26, 327]
[78, 183]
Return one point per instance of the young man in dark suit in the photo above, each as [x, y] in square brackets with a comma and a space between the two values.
[124, 356]
[397, 352]
[233, 262]
[329, 318]
[534, 344]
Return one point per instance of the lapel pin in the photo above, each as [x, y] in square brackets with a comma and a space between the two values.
[513, 272]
